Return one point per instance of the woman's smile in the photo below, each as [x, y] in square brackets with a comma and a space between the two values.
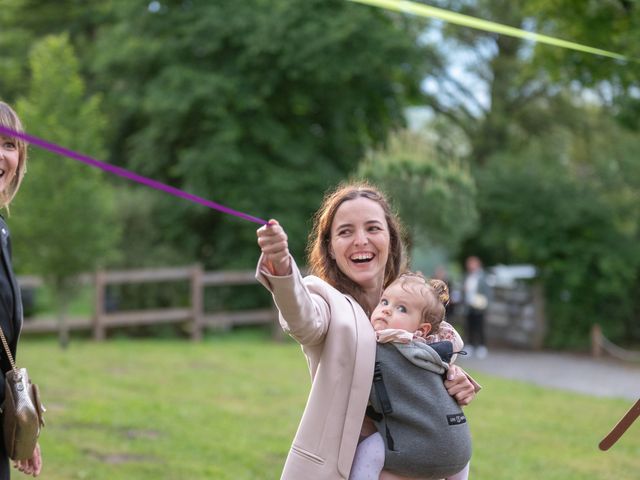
[362, 257]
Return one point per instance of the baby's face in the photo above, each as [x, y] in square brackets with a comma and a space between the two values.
[399, 308]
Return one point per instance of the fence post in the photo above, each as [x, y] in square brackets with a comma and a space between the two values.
[596, 341]
[197, 306]
[99, 306]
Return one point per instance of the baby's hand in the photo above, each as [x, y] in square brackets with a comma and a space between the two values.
[274, 245]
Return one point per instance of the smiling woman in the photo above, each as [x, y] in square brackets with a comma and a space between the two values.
[355, 250]
[13, 160]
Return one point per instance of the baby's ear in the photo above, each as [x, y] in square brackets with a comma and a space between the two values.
[424, 328]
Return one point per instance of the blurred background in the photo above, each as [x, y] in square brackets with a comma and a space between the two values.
[517, 152]
[523, 154]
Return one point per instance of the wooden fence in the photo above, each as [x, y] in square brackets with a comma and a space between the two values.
[193, 316]
[601, 345]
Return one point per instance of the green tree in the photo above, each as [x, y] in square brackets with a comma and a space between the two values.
[64, 217]
[435, 196]
[553, 190]
[613, 25]
[571, 210]
[14, 45]
[259, 105]
[23, 22]
[487, 85]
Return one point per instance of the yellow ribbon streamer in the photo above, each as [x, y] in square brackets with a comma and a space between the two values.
[473, 22]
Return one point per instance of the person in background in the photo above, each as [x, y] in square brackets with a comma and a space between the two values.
[13, 163]
[355, 251]
[476, 294]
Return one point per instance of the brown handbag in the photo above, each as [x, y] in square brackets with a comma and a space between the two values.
[22, 410]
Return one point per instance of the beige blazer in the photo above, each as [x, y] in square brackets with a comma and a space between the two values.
[339, 343]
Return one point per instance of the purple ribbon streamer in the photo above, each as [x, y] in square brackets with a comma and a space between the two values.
[121, 172]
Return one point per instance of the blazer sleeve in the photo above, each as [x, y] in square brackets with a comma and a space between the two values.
[302, 304]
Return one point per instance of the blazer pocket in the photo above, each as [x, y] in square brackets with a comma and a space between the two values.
[307, 455]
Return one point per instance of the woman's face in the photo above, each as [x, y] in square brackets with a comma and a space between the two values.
[360, 242]
[9, 156]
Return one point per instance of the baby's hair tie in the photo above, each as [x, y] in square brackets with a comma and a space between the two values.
[441, 289]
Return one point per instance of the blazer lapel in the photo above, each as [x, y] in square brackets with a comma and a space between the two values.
[365, 357]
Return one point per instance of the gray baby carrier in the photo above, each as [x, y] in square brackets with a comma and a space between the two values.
[425, 432]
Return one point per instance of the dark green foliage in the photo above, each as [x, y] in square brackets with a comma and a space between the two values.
[611, 25]
[262, 105]
[257, 105]
[63, 216]
[555, 186]
[544, 206]
[434, 194]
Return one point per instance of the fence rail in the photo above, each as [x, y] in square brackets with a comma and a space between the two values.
[601, 345]
[193, 316]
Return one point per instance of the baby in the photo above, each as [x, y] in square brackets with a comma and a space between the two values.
[421, 431]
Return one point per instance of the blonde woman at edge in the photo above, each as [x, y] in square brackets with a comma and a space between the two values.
[355, 251]
[13, 163]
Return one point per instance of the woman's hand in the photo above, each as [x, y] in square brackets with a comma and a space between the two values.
[31, 466]
[459, 386]
[275, 248]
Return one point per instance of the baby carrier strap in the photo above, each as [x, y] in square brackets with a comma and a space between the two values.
[381, 390]
[424, 429]
[385, 402]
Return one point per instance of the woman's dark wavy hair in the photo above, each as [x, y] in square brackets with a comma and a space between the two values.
[319, 260]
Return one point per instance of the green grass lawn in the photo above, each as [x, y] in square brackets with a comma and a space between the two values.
[227, 408]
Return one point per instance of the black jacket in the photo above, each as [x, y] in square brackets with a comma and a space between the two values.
[10, 311]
